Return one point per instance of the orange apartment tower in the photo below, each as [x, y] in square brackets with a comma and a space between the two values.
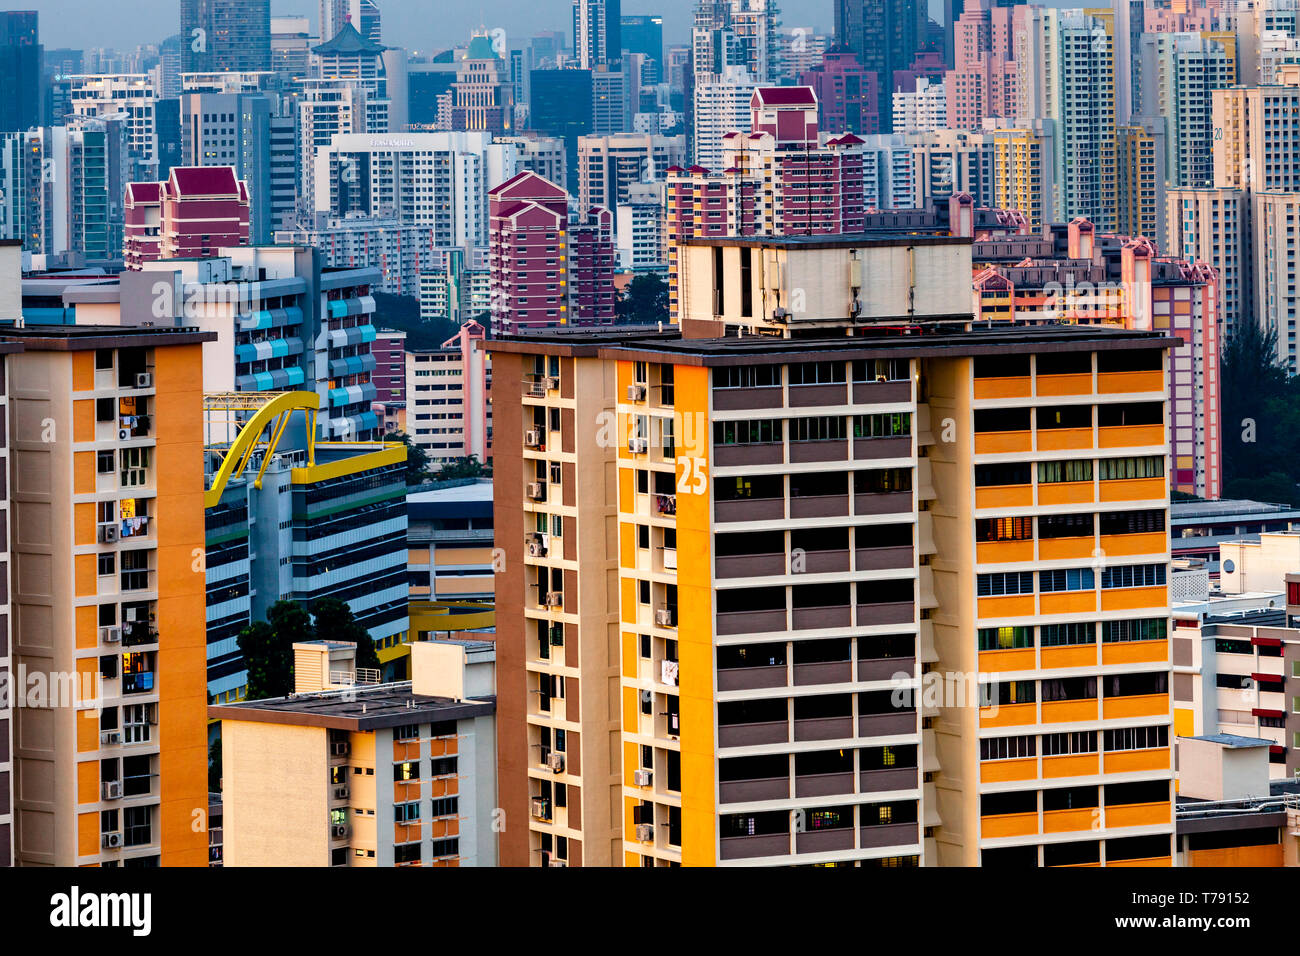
[828, 576]
[106, 441]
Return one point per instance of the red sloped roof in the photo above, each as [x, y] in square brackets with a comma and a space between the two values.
[528, 185]
[204, 180]
[144, 192]
[786, 95]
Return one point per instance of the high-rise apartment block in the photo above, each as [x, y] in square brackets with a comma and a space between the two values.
[21, 70]
[609, 165]
[223, 35]
[111, 777]
[847, 94]
[824, 530]
[195, 213]
[549, 266]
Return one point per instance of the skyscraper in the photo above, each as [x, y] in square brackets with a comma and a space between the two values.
[20, 71]
[225, 35]
[597, 32]
[886, 35]
[645, 34]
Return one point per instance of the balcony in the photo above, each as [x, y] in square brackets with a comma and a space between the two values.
[747, 735]
[1078, 383]
[1130, 436]
[1076, 548]
[735, 399]
[664, 504]
[1151, 542]
[820, 506]
[746, 791]
[1069, 711]
[1002, 387]
[1065, 493]
[1003, 443]
[825, 841]
[822, 562]
[1004, 552]
[887, 834]
[1004, 825]
[1071, 765]
[1117, 383]
[834, 449]
[1009, 715]
[749, 509]
[882, 503]
[871, 449]
[883, 559]
[1138, 705]
[830, 616]
[765, 453]
[751, 678]
[823, 672]
[751, 622]
[1134, 489]
[1135, 652]
[889, 724]
[823, 784]
[1005, 771]
[1139, 814]
[135, 633]
[747, 847]
[750, 565]
[1127, 599]
[1134, 761]
[1004, 496]
[133, 426]
[1069, 821]
[804, 396]
[886, 780]
[1073, 655]
[823, 728]
[1008, 659]
[138, 683]
[882, 393]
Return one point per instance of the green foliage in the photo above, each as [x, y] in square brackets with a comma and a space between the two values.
[644, 302]
[417, 459]
[402, 312]
[469, 467]
[214, 763]
[334, 621]
[1261, 418]
[269, 661]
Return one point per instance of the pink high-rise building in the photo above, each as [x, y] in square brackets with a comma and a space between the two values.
[928, 65]
[549, 267]
[777, 180]
[983, 81]
[848, 94]
[196, 212]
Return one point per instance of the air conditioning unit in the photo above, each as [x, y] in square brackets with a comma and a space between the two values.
[541, 808]
[341, 793]
[536, 549]
[536, 490]
[110, 737]
[108, 533]
[636, 393]
[642, 778]
[112, 841]
[143, 380]
[338, 831]
[637, 446]
[533, 438]
[112, 790]
[110, 635]
[551, 382]
[555, 761]
[123, 434]
[645, 832]
[340, 748]
[665, 617]
[554, 598]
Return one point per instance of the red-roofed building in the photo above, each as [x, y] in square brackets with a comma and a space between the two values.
[549, 266]
[196, 212]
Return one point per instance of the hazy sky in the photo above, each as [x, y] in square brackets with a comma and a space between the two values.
[414, 24]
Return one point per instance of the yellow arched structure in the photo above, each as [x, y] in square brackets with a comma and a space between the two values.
[438, 616]
[271, 410]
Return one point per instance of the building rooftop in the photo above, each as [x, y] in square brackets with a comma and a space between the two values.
[1233, 742]
[76, 338]
[355, 708]
[1227, 507]
[925, 338]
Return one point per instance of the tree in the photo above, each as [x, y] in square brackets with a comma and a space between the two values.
[334, 621]
[214, 763]
[469, 467]
[417, 459]
[644, 302]
[269, 662]
[1261, 420]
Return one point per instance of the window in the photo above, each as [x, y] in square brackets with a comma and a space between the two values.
[747, 376]
[883, 425]
[1150, 466]
[1133, 576]
[1013, 473]
[407, 770]
[1064, 635]
[1008, 692]
[817, 373]
[1004, 529]
[1054, 471]
[107, 563]
[406, 812]
[1007, 748]
[759, 432]
[1070, 688]
[1065, 526]
[817, 429]
[406, 852]
[105, 462]
[1005, 638]
[1066, 579]
[1005, 582]
[1132, 522]
[1060, 745]
[881, 370]
[1146, 629]
[1136, 738]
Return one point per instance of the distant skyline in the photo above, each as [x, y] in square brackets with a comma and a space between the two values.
[416, 25]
